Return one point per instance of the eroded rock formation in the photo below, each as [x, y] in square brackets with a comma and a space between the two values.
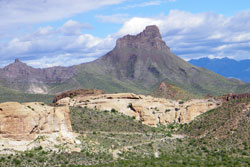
[151, 111]
[22, 124]
[82, 92]
[236, 96]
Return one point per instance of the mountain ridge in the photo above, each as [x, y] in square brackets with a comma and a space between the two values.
[226, 67]
[138, 63]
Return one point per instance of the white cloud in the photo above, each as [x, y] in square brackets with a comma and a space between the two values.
[137, 24]
[188, 35]
[16, 12]
[48, 46]
[116, 18]
[148, 3]
[45, 30]
[198, 35]
[73, 28]
[62, 59]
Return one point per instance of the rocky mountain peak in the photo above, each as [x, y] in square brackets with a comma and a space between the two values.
[152, 31]
[17, 65]
[17, 61]
[149, 39]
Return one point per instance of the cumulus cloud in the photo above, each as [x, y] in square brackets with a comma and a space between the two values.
[30, 11]
[137, 24]
[199, 35]
[58, 60]
[48, 46]
[188, 35]
[73, 28]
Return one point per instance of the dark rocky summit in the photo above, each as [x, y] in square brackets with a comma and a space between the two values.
[150, 38]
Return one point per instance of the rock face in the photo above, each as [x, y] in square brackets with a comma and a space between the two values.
[79, 92]
[23, 123]
[236, 96]
[151, 111]
[148, 39]
[34, 80]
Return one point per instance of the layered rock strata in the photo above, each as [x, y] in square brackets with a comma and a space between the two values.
[151, 111]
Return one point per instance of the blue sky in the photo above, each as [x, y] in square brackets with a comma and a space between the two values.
[46, 33]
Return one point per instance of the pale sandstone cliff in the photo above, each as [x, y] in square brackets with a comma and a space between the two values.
[151, 111]
[28, 125]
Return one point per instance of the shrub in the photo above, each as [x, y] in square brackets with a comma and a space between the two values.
[167, 110]
[181, 102]
[114, 110]
[16, 161]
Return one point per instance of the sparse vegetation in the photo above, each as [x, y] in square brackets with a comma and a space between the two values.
[7, 95]
[105, 135]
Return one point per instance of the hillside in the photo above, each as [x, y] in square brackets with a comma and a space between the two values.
[7, 94]
[226, 67]
[227, 126]
[171, 91]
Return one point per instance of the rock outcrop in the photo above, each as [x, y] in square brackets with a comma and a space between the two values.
[78, 92]
[148, 39]
[236, 96]
[151, 111]
[21, 125]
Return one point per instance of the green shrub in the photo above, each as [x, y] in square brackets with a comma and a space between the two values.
[114, 110]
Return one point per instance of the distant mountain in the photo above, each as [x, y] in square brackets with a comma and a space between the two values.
[226, 67]
[20, 76]
[138, 63]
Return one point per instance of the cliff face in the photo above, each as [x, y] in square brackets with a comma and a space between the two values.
[151, 111]
[27, 122]
[150, 38]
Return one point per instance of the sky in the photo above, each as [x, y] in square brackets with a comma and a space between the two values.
[45, 33]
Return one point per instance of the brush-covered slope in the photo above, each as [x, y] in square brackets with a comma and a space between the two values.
[144, 60]
[171, 91]
[226, 126]
[7, 94]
